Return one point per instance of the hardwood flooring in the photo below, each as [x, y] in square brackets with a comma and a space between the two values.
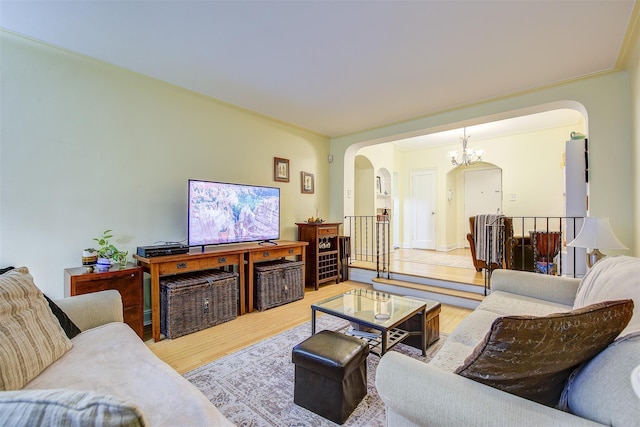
[433, 271]
[193, 350]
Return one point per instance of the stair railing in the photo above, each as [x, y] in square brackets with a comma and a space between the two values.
[370, 239]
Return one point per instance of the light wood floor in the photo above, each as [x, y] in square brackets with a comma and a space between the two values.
[440, 272]
[193, 350]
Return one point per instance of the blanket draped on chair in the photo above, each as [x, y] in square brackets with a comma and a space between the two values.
[488, 232]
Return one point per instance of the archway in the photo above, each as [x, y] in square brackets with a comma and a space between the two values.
[451, 224]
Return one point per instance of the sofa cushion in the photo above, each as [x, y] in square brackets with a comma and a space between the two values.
[473, 328]
[612, 278]
[601, 389]
[510, 304]
[532, 357]
[112, 359]
[70, 329]
[31, 338]
[65, 408]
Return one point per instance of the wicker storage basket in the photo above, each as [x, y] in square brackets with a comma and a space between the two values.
[277, 283]
[195, 301]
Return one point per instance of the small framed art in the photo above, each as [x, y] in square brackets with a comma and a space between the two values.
[280, 169]
[306, 179]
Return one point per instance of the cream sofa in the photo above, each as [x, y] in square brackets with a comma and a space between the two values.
[600, 393]
[106, 376]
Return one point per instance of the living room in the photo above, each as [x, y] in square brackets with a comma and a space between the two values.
[87, 146]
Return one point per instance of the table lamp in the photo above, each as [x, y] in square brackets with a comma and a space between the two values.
[596, 234]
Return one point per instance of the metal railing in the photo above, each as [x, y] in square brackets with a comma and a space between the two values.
[527, 243]
[370, 239]
[535, 244]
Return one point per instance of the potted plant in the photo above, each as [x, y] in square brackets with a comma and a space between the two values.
[108, 252]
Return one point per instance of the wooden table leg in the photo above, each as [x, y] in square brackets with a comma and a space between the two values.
[249, 283]
[243, 296]
[155, 302]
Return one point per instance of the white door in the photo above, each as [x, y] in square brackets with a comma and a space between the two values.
[423, 191]
[482, 192]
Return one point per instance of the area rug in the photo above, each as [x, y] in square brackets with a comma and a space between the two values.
[436, 258]
[253, 387]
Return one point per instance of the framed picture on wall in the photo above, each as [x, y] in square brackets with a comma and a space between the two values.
[308, 186]
[280, 169]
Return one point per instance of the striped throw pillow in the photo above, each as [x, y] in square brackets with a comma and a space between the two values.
[66, 408]
[30, 336]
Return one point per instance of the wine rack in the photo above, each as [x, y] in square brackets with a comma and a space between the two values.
[322, 254]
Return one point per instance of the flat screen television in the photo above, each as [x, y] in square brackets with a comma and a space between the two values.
[221, 212]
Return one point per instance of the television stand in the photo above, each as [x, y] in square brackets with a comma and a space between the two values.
[216, 257]
[268, 242]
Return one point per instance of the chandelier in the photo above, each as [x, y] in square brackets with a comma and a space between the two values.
[469, 156]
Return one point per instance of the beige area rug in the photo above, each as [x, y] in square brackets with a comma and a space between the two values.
[254, 386]
[423, 256]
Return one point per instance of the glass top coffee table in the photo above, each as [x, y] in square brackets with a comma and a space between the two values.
[374, 316]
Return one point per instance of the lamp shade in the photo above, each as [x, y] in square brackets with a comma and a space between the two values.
[596, 234]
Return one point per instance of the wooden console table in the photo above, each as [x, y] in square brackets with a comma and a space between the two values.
[214, 257]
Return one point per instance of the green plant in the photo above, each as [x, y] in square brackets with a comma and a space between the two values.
[106, 249]
[120, 257]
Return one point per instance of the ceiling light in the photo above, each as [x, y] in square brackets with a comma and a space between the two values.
[469, 156]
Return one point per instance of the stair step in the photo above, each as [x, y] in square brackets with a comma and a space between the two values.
[429, 288]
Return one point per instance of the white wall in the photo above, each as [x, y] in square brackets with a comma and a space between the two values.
[606, 101]
[633, 68]
[86, 146]
[520, 156]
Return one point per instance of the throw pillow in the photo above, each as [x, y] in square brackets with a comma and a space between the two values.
[601, 390]
[532, 357]
[612, 278]
[30, 336]
[69, 328]
[5, 269]
[66, 408]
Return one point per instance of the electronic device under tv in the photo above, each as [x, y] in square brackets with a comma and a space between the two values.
[221, 213]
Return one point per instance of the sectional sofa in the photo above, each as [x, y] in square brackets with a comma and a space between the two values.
[538, 351]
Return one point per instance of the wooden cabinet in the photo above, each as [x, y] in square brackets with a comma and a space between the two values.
[322, 252]
[127, 281]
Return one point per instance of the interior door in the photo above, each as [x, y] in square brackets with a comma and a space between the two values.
[423, 192]
[482, 192]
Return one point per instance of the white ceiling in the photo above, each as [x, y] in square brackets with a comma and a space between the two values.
[337, 67]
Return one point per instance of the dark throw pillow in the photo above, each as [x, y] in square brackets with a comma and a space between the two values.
[532, 357]
[70, 328]
[5, 269]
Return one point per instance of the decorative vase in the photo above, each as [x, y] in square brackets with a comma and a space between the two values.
[103, 264]
[89, 256]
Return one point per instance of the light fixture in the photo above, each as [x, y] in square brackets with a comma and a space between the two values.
[469, 156]
[596, 234]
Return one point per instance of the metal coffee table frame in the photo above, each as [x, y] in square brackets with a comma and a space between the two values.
[370, 309]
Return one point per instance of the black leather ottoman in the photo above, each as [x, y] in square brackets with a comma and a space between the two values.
[330, 374]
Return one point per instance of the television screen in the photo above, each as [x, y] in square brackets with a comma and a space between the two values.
[232, 213]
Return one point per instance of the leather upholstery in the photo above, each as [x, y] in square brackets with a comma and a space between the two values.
[532, 357]
[330, 374]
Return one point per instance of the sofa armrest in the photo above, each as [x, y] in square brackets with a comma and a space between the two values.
[90, 310]
[418, 394]
[556, 289]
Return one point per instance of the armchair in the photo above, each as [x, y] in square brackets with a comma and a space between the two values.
[517, 251]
